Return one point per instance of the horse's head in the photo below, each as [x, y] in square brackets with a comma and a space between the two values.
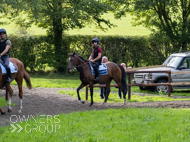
[72, 62]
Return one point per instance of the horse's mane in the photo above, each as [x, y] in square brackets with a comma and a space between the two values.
[82, 58]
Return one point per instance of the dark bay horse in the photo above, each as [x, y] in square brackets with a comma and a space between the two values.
[18, 76]
[115, 72]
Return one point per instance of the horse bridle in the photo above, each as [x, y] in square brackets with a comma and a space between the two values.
[82, 64]
[79, 65]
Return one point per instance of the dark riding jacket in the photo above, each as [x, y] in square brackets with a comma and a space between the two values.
[3, 46]
[95, 54]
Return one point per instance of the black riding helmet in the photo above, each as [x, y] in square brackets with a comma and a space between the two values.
[95, 40]
[3, 31]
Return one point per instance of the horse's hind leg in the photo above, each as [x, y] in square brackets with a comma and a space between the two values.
[122, 89]
[19, 82]
[124, 96]
[10, 91]
[107, 89]
[91, 94]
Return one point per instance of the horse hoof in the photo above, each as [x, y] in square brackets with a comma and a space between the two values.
[103, 103]
[9, 110]
[82, 102]
[91, 104]
[124, 104]
[3, 113]
[19, 112]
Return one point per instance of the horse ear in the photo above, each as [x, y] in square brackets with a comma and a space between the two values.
[72, 54]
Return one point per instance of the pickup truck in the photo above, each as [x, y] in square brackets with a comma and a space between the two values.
[176, 62]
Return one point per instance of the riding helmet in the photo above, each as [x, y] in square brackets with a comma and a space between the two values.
[3, 31]
[95, 40]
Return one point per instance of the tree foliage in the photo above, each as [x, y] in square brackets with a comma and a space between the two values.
[166, 17]
[59, 16]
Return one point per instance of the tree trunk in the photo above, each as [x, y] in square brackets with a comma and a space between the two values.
[60, 47]
[58, 43]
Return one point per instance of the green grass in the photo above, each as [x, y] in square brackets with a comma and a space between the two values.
[4, 103]
[114, 98]
[131, 124]
[123, 27]
[70, 81]
[14, 29]
[73, 81]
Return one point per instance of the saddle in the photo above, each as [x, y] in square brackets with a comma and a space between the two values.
[12, 68]
[103, 70]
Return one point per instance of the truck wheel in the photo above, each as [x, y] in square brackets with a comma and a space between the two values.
[162, 88]
[142, 88]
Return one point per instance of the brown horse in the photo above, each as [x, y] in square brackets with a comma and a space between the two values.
[115, 72]
[18, 76]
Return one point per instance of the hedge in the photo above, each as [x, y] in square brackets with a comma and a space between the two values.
[37, 52]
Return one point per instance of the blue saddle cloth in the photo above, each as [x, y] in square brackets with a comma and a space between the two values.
[103, 69]
[12, 68]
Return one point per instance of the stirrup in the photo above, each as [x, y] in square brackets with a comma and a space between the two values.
[9, 79]
[96, 79]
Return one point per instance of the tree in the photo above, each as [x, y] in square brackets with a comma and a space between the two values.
[59, 16]
[166, 17]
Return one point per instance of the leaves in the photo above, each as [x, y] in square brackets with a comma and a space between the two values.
[169, 17]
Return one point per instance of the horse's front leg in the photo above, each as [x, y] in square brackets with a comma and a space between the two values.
[20, 96]
[91, 94]
[10, 91]
[80, 87]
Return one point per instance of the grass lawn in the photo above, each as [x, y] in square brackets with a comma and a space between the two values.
[114, 98]
[70, 81]
[131, 124]
[123, 27]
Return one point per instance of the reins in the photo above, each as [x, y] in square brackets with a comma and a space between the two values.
[82, 64]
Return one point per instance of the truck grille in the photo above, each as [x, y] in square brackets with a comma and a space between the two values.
[138, 76]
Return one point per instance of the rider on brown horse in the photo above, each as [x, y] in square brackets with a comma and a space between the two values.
[96, 57]
[5, 46]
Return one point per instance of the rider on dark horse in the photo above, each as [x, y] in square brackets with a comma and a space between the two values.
[96, 57]
[5, 46]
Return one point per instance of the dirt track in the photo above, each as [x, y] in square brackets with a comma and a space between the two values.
[46, 101]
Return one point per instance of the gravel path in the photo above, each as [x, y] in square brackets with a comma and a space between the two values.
[46, 101]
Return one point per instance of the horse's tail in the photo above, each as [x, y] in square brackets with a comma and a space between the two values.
[123, 78]
[27, 78]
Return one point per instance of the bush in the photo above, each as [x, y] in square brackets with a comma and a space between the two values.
[38, 53]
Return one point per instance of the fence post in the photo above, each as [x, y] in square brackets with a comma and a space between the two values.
[169, 86]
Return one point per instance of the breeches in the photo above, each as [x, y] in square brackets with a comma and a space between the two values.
[5, 60]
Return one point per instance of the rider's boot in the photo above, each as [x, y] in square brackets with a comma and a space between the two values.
[9, 78]
[96, 75]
